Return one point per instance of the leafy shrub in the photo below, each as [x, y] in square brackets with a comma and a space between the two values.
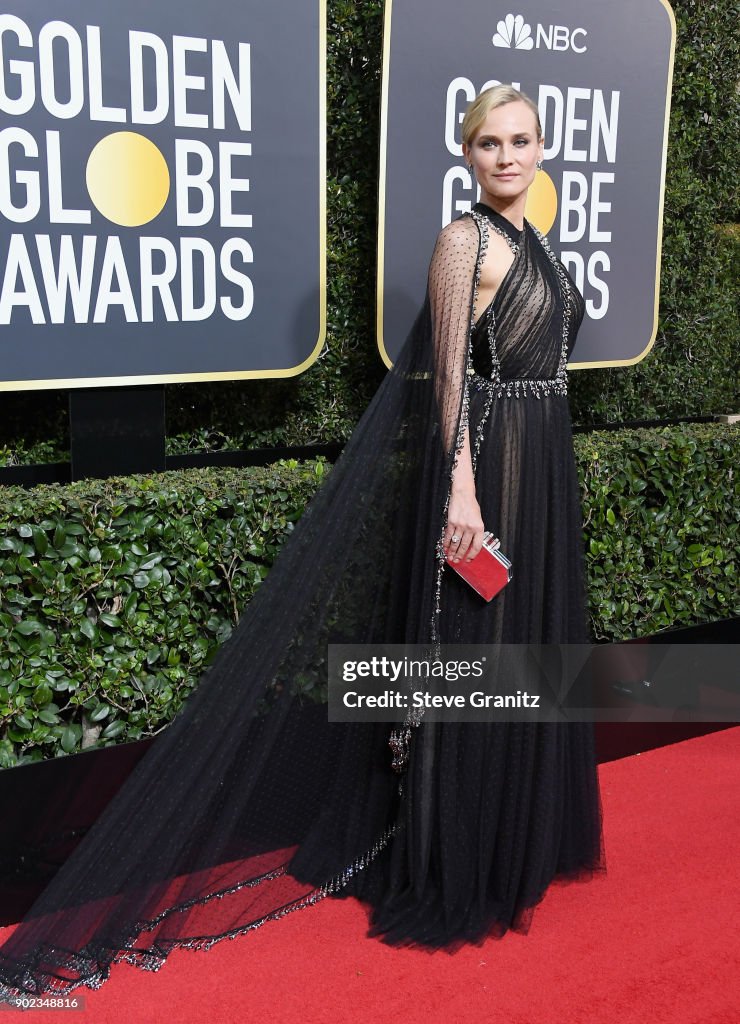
[115, 595]
[662, 525]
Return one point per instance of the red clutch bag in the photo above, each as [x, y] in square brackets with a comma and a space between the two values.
[488, 572]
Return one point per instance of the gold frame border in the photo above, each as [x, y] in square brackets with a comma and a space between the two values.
[381, 196]
[382, 157]
[180, 378]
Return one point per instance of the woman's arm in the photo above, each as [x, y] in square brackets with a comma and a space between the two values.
[464, 518]
[451, 283]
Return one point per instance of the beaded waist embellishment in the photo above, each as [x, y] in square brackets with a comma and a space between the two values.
[518, 386]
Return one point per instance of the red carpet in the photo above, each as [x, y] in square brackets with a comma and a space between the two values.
[657, 940]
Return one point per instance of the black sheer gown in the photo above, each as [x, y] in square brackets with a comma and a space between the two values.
[252, 804]
[502, 809]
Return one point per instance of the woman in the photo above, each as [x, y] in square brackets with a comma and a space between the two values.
[252, 804]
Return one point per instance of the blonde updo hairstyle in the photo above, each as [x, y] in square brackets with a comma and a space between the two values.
[486, 101]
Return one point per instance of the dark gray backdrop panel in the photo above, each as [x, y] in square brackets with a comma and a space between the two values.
[285, 197]
[628, 48]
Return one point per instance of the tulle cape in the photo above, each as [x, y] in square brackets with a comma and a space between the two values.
[251, 804]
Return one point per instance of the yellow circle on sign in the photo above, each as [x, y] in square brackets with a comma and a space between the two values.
[542, 202]
[128, 179]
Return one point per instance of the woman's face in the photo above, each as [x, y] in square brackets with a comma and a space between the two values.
[505, 151]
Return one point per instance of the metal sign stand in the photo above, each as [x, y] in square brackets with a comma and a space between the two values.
[116, 431]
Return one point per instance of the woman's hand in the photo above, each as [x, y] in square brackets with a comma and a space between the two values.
[463, 536]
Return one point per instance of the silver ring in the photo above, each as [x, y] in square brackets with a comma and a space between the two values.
[455, 539]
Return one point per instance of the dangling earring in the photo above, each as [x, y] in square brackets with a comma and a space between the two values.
[539, 165]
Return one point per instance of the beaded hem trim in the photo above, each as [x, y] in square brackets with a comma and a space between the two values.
[92, 974]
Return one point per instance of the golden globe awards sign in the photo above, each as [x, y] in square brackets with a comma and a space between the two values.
[600, 74]
[161, 190]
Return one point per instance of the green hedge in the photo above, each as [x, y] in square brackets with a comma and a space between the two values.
[116, 594]
[662, 524]
[692, 368]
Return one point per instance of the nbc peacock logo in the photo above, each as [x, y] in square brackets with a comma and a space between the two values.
[513, 31]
